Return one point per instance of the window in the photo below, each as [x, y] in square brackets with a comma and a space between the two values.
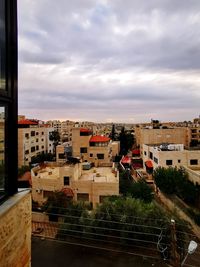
[179, 161]
[169, 162]
[66, 180]
[61, 156]
[100, 156]
[32, 133]
[37, 140]
[8, 98]
[145, 153]
[37, 147]
[26, 152]
[82, 197]
[36, 133]
[27, 135]
[194, 162]
[155, 160]
[151, 155]
[42, 133]
[42, 147]
[32, 149]
[83, 150]
[91, 155]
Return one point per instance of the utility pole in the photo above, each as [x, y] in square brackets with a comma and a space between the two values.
[175, 257]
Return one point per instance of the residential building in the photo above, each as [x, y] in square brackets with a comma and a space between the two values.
[92, 185]
[56, 125]
[33, 139]
[93, 148]
[161, 135]
[174, 155]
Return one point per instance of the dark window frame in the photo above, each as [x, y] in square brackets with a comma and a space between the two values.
[169, 162]
[8, 98]
[100, 156]
[83, 150]
[66, 180]
[193, 161]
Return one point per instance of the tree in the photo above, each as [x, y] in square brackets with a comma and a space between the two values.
[113, 133]
[139, 190]
[42, 157]
[175, 181]
[126, 141]
[55, 137]
[142, 191]
[23, 169]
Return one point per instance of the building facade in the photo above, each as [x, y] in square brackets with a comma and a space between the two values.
[91, 185]
[33, 139]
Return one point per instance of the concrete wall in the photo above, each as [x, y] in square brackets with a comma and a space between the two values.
[15, 231]
[95, 189]
[159, 136]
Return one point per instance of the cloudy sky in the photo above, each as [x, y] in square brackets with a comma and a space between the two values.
[109, 60]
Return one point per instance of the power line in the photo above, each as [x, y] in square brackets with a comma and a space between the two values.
[109, 229]
[107, 221]
[114, 214]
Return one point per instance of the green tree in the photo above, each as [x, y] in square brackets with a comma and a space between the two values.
[126, 141]
[42, 157]
[175, 181]
[55, 137]
[23, 169]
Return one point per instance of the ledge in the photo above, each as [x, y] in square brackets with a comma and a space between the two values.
[13, 200]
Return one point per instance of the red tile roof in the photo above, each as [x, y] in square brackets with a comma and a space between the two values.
[136, 151]
[149, 164]
[27, 122]
[85, 130]
[99, 139]
[126, 160]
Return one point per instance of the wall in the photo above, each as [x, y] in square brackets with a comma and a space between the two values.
[159, 136]
[15, 231]
[179, 158]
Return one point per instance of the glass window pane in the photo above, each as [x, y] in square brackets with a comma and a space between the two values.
[2, 151]
[2, 45]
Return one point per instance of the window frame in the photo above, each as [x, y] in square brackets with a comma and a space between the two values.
[8, 98]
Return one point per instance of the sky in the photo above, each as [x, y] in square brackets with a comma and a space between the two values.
[109, 60]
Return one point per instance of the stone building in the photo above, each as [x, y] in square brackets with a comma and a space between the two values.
[33, 139]
[92, 185]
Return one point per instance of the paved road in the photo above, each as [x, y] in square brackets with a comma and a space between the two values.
[55, 254]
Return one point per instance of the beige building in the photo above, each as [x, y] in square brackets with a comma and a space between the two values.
[171, 155]
[159, 136]
[33, 139]
[97, 149]
[91, 185]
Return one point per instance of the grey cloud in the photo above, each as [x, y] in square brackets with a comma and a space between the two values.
[96, 39]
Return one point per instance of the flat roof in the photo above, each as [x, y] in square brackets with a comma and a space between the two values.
[100, 174]
[48, 173]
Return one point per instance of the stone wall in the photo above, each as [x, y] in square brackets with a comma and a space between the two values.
[15, 231]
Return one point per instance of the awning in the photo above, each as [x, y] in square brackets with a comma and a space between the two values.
[68, 192]
[149, 164]
[126, 160]
[136, 152]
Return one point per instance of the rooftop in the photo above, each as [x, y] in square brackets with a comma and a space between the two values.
[99, 139]
[27, 122]
[100, 174]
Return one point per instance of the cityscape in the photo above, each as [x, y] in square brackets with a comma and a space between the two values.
[99, 133]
